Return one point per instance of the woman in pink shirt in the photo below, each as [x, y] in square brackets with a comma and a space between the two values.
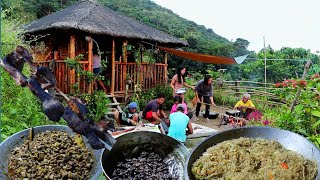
[178, 100]
[178, 81]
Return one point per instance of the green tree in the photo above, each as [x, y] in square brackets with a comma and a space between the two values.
[20, 108]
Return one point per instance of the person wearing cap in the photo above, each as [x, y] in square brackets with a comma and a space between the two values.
[130, 115]
[178, 124]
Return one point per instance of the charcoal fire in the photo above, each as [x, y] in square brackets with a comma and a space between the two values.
[146, 165]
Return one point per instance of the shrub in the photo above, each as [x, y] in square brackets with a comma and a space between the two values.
[97, 104]
[20, 108]
[142, 98]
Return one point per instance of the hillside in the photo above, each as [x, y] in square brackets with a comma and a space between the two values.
[200, 38]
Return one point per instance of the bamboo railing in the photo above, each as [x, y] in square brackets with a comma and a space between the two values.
[64, 76]
[238, 88]
[146, 75]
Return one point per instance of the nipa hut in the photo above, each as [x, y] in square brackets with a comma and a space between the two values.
[87, 26]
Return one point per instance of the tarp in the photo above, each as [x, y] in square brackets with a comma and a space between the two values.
[200, 57]
[240, 59]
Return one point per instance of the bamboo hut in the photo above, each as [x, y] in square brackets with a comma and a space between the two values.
[88, 25]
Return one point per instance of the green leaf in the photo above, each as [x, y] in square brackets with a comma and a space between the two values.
[299, 107]
[303, 131]
[315, 113]
[13, 111]
[23, 124]
[315, 125]
[12, 130]
[3, 136]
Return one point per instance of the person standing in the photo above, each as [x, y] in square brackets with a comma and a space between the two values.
[178, 81]
[178, 124]
[204, 93]
[96, 66]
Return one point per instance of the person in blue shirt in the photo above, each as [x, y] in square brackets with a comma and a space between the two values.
[178, 124]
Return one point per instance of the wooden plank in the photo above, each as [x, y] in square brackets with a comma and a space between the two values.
[90, 62]
[257, 93]
[121, 78]
[154, 75]
[159, 75]
[248, 82]
[124, 68]
[141, 75]
[116, 78]
[247, 87]
[124, 51]
[63, 76]
[72, 54]
[166, 68]
[113, 66]
[60, 71]
[144, 74]
[118, 107]
[113, 104]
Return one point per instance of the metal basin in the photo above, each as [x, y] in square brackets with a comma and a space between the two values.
[18, 138]
[213, 115]
[233, 113]
[287, 139]
[144, 141]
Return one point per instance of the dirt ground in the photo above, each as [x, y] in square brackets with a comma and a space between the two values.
[214, 123]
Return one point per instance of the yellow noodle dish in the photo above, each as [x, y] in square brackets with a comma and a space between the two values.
[251, 158]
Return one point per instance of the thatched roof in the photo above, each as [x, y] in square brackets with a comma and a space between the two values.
[94, 18]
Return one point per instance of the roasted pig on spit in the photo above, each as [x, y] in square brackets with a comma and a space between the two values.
[74, 113]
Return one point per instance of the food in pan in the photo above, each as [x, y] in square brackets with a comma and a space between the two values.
[250, 158]
[50, 155]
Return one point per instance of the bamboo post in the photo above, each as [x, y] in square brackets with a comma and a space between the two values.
[166, 68]
[113, 57]
[125, 60]
[306, 68]
[265, 62]
[90, 62]
[236, 83]
[124, 51]
[72, 54]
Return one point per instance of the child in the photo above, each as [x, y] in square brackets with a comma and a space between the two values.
[178, 100]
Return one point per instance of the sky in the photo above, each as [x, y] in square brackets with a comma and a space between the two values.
[282, 23]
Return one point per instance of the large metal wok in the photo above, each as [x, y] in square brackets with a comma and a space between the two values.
[17, 139]
[287, 139]
[131, 143]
